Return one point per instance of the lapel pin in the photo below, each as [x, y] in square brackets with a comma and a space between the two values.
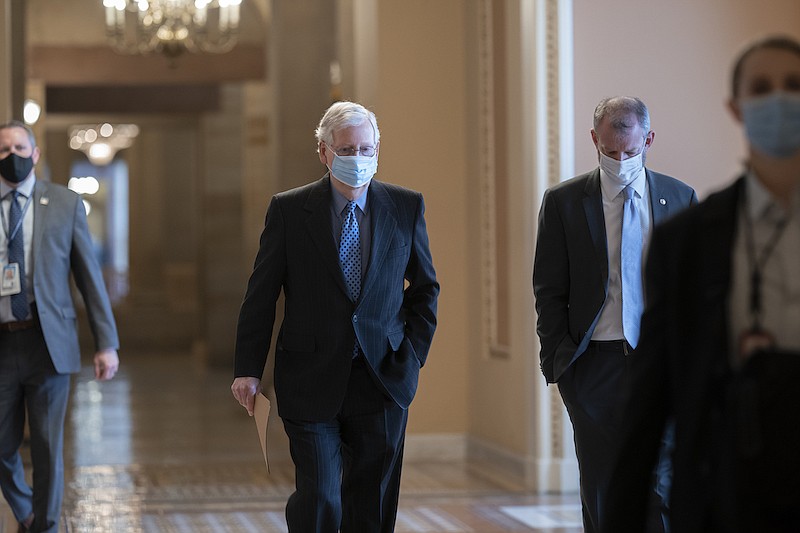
[44, 200]
[662, 201]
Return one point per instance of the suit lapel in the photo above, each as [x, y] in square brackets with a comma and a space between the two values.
[717, 230]
[383, 224]
[40, 212]
[593, 207]
[320, 230]
[718, 233]
[662, 202]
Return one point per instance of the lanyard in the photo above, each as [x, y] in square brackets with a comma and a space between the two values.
[19, 222]
[758, 262]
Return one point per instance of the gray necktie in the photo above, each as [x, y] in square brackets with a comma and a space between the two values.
[16, 254]
[631, 269]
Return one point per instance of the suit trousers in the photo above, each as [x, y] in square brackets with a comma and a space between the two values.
[29, 381]
[348, 469]
[593, 390]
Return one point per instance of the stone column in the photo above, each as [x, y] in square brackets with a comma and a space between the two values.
[303, 43]
[12, 59]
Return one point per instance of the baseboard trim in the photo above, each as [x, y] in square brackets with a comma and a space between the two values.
[539, 475]
[509, 469]
[436, 447]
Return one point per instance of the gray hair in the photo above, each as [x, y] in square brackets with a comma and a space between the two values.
[344, 115]
[18, 124]
[618, 109]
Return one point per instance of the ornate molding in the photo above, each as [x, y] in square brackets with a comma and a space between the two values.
[487, 154]
[553, 151]
[553, 71]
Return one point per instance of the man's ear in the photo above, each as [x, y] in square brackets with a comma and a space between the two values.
[649, 138]
[735, 109]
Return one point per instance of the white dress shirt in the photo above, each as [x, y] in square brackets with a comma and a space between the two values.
[26, 191]
[780, 275]
[609, 325]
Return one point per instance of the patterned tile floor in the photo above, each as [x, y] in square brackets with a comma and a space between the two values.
[164, 448]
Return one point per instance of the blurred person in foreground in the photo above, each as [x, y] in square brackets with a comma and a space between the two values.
[720, 349]
[351, 255]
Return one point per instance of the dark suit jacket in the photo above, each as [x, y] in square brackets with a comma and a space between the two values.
[394, 323]
[62, 245]
[570, 274]
[681, 366]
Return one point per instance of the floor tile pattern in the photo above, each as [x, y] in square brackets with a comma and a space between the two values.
[165, 449]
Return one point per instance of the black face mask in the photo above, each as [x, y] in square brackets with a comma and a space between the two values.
[15, 168]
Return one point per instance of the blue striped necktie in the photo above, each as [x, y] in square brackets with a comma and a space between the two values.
[16, 254]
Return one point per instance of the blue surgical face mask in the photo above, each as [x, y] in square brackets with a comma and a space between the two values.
[354, 170]
[772, 123]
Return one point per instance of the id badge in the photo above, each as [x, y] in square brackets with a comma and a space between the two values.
[10, 283]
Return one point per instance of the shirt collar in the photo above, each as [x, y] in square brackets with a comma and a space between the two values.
[340, 202]
[759, 199]
[25, 187]
[611, 188]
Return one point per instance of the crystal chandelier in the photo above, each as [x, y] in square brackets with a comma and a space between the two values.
[172, 27]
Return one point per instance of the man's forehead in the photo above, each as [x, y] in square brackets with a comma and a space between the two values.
[362, 132]
[622, 141]
[619, 120]
[14, 132]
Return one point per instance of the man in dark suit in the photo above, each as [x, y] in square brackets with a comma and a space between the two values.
[720, 350]
[45, 238]
[588, 303]
[351, 256]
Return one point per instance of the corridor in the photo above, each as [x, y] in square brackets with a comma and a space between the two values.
[165, 448]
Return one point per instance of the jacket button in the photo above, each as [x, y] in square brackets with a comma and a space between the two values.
[355, 318]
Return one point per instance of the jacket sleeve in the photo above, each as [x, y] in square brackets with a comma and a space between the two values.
[551, 287]
[257, 313]
[420, 297]
[89, 280]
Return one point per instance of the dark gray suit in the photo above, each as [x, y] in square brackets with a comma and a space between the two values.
[37, 362]
[570, 282]
[317, 382]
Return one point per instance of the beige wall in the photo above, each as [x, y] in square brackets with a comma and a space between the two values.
[677, 57]
[421, 111]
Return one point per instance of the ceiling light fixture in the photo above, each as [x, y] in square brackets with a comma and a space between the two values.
[172, 27]
[101, 142]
